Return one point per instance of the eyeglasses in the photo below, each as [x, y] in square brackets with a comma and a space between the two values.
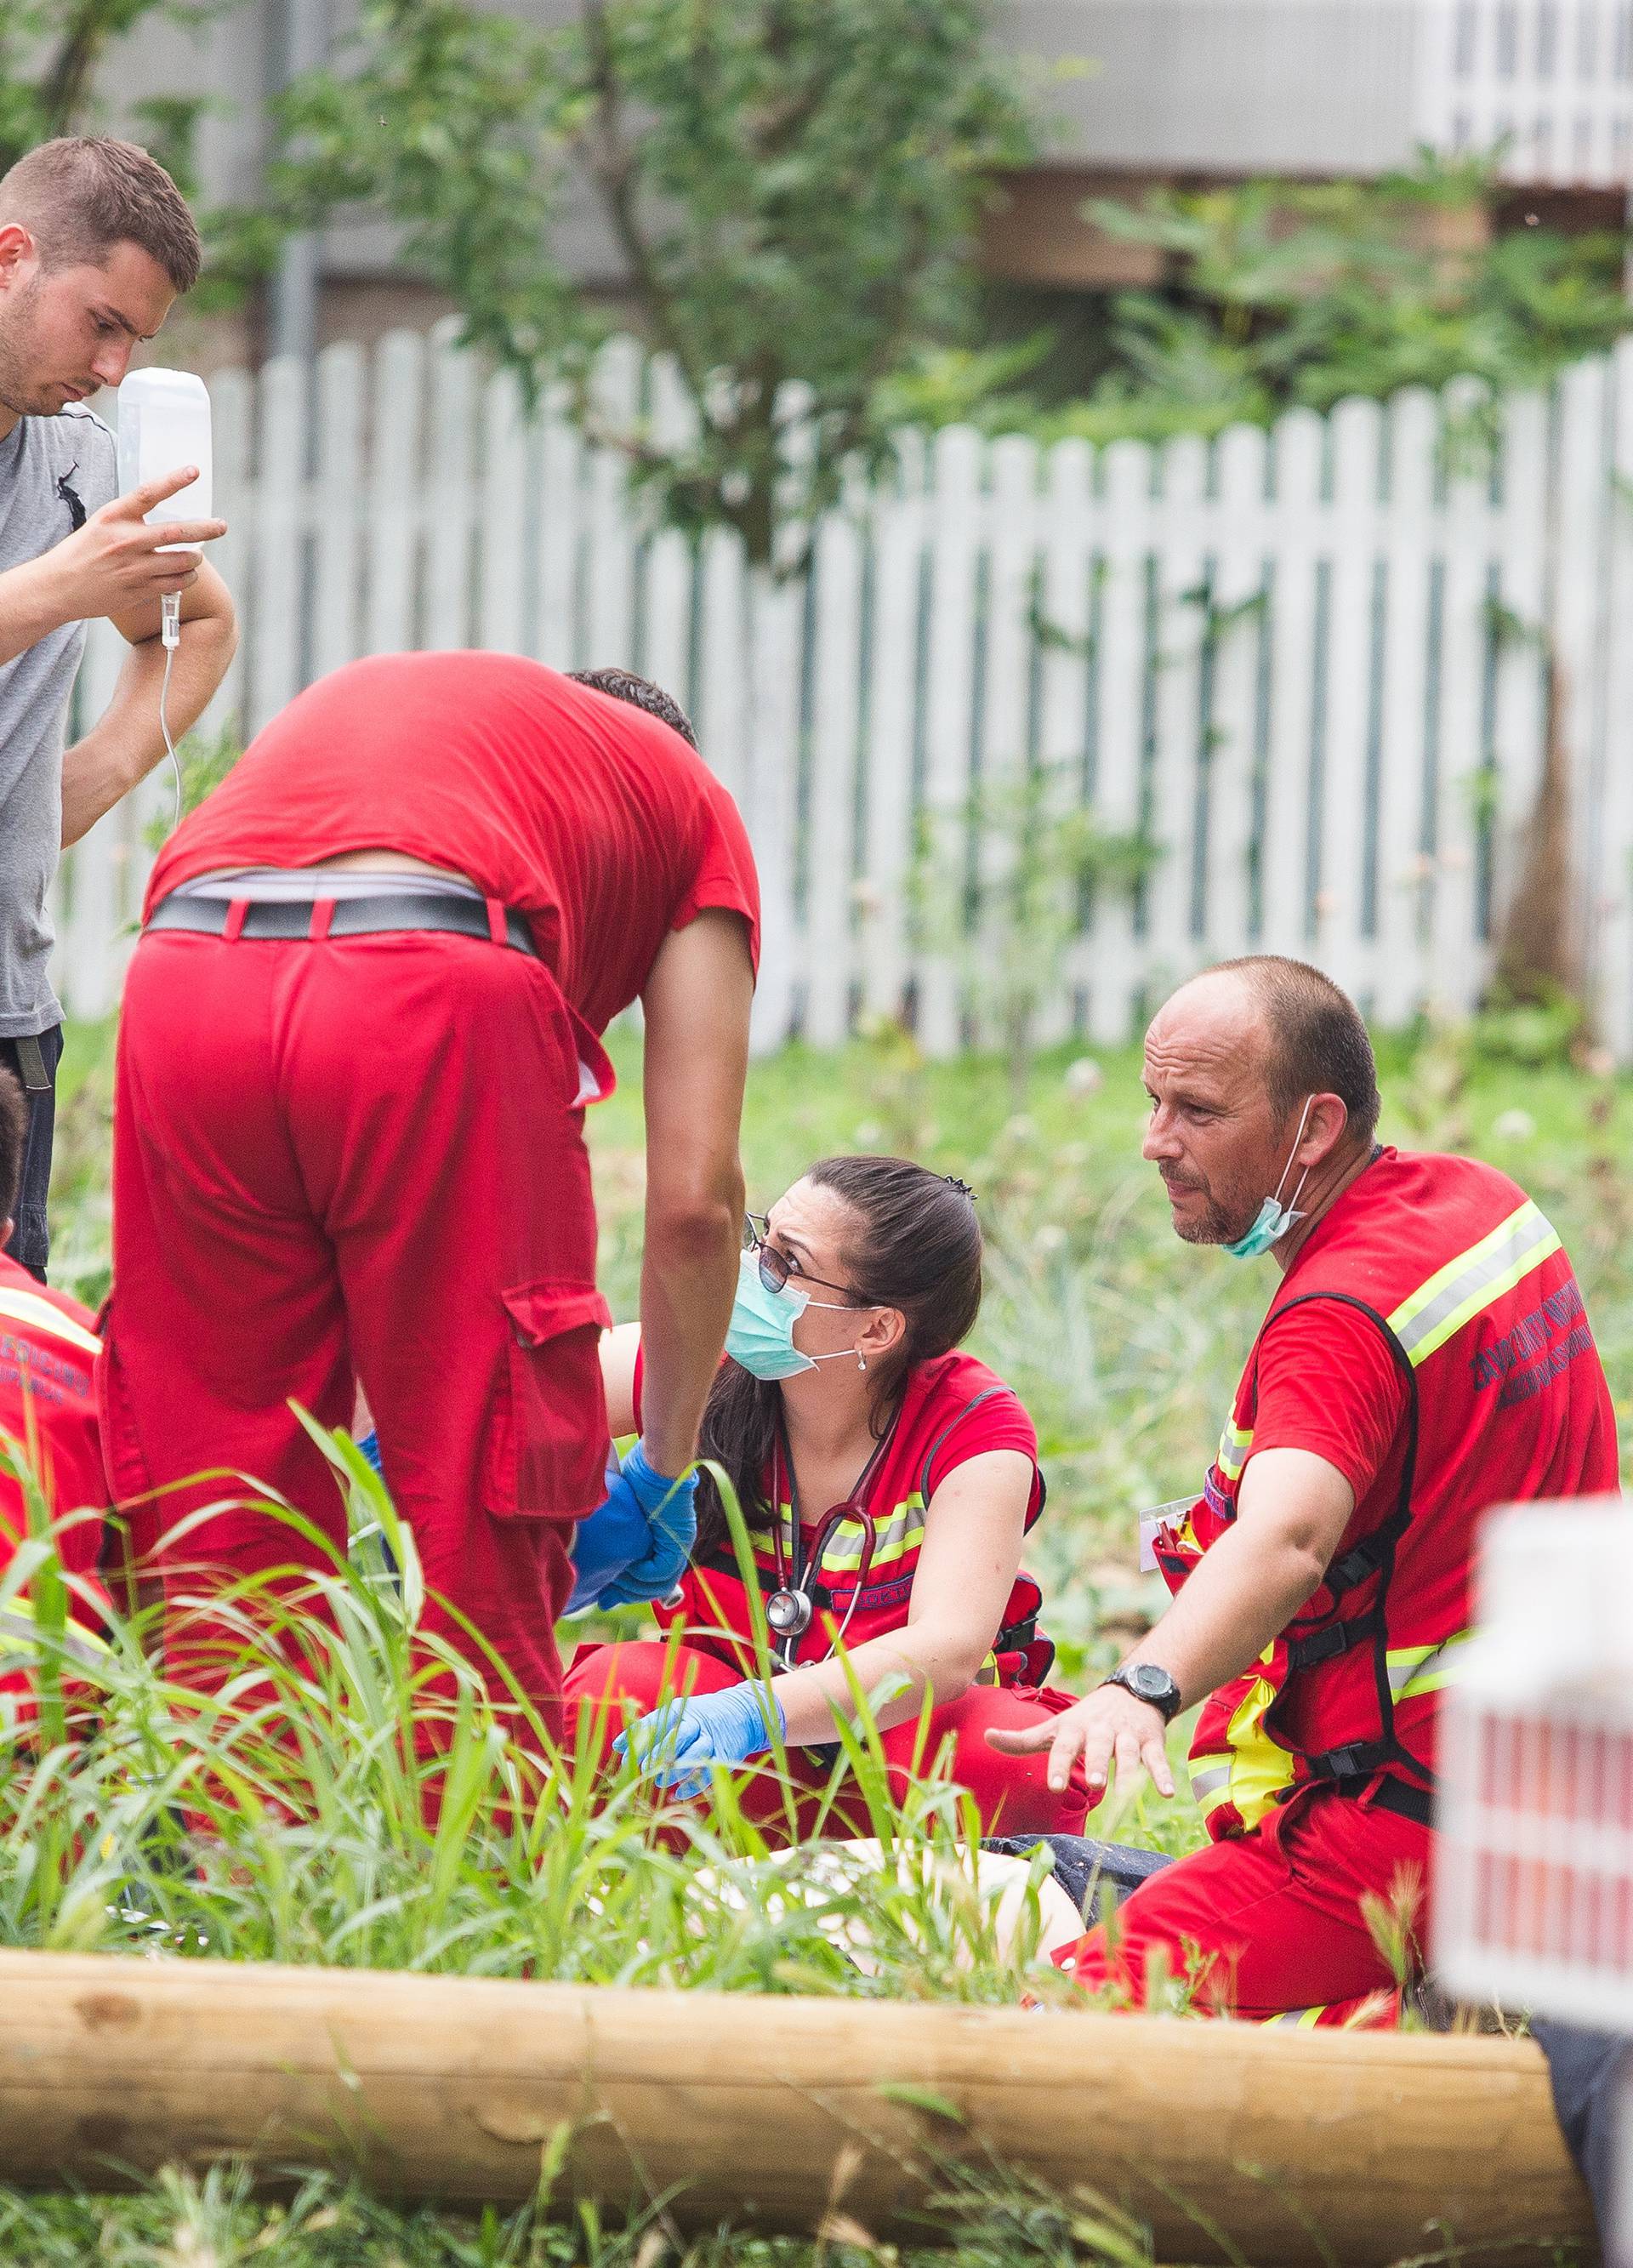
[775, 1267]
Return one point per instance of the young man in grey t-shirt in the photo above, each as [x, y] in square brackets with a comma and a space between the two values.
[96, 241]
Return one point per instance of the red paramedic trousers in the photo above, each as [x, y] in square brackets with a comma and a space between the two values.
[1273, 1925]
[362, 1159]
[608, 1684]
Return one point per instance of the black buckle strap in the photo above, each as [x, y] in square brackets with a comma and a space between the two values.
[1304, 1651]
[289, 920]
[1358, 1761]
[1388, 1793]
[1369, 1556]
[1406, 1801]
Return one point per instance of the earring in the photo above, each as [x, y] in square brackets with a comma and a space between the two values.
[861, 1362]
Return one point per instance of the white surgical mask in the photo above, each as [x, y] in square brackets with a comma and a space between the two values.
[761, 1335]
[1274, 1218]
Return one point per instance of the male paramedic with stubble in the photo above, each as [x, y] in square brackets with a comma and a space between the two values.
[95, 243]
[359, 1034]
[1426, 1354]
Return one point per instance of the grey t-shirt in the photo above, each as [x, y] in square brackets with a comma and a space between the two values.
[55, 472]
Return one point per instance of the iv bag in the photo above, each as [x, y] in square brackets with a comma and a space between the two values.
[164, 424]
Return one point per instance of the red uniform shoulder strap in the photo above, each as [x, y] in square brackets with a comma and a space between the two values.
[952, 1426]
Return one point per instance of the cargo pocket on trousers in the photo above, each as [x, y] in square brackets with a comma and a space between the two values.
[553, 1465]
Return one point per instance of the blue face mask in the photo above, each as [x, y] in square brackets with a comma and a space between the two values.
[1274, 1218]
[761, 1334]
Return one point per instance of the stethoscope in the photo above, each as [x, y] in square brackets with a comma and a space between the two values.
[790, 1607]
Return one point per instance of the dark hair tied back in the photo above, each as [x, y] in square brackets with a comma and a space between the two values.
[915, 1247]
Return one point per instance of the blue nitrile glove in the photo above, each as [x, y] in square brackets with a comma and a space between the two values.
[615, 1537]
[670, 1508]
[369, 1445]
[636, 1545]
[678, 1744]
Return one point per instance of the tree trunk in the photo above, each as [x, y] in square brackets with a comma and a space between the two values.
[1539, 950]
[1288, 2145]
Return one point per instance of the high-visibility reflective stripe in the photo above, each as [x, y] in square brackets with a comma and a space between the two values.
[902, 1533]
[1261, 1772]
[37, 1315]
[1302, 2020]
[1472, 1282]
[1211, 1779]
[1234, 1443]
[1414, 1669]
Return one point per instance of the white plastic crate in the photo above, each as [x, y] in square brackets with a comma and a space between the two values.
[1533, 1888]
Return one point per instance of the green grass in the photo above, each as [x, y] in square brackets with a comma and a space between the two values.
[188, 2222]
[1124, 1343]
[222, 1832]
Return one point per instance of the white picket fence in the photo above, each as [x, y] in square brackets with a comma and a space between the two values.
[1308, 662]
[1551, 81]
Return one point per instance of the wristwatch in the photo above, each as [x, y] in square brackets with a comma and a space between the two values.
[1147, 1682]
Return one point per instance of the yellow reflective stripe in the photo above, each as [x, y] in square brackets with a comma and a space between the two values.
[1302, 2020]
[1259, 1772]
[896, 1547]
[902, 1533]
[1414, 1669]
[1473, 1281]
[1211, 1779]
[37, 1315]
[1234, 1443]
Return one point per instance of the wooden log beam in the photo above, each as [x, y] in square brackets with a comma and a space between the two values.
[1295, 2145]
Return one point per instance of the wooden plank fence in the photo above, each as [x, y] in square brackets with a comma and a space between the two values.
[1309, 664]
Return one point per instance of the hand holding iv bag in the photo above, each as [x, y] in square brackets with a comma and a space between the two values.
[163, 425]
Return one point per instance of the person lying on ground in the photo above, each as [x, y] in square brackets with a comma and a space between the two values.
[49, 1439]
[888, 1481]
[1426, 1356]
[360, 1032]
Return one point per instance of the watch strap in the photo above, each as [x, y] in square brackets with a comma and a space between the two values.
[1168, 1708]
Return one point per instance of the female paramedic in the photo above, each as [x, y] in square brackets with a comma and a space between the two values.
[888, 1482]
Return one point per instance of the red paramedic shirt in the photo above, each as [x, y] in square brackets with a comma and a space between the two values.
[1329, 1383]
[953, 1409]
[592, 818]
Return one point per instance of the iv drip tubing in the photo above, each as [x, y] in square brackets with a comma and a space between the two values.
[170, 632]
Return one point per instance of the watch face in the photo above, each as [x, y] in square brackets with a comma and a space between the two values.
[1149, 1684]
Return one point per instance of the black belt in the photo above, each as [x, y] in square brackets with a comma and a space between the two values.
[290, 919]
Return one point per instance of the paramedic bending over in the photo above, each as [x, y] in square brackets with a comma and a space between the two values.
[843, 1386]
[359, 1036]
